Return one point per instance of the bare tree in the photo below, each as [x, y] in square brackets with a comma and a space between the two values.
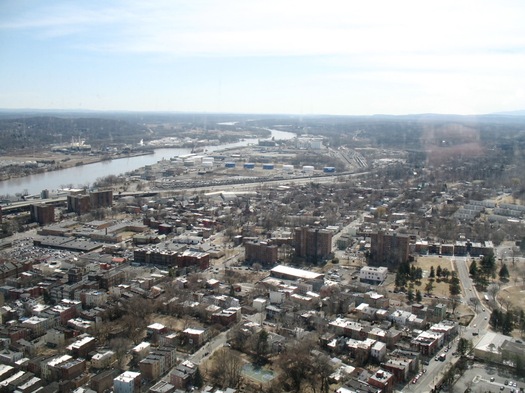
[227, 367]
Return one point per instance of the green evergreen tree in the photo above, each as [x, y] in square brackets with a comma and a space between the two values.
[197, 379]
[508, 323]
[419, 297]
[473, 269]
[410, 295]
[439, 271]
[504, 272]
[432, 272]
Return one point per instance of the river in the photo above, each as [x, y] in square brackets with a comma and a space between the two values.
[88, 174]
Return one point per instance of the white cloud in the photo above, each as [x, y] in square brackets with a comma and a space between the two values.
[254, 28]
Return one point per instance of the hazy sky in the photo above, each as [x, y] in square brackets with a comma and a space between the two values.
[304, 57]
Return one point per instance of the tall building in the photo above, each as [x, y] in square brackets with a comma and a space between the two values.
[312, 244]
[388, 249]
[261, 252]
[80, 204]
[83, 203]
[42, 214]
[101, 199]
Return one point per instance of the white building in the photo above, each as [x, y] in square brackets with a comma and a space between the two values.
[102, 360]
[378, 350]
[127, 382]
[373, 275]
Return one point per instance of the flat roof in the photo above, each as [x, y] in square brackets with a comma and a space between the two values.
[299, 273]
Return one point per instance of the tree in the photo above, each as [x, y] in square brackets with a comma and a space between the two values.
[464, 346]
[197, 379]
[261, 348]
[488, 265]
[227, 366]
[439, 271]
[473, 269]
[410, 295]
[508, 323]
[432, 272]
[454, 286]
[429, 287]
[419, 297]
[504, 272]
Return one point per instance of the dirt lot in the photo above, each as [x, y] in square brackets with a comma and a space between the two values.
[441, 289]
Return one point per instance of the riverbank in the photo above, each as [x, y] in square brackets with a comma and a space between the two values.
[84, 175]
[24, 165]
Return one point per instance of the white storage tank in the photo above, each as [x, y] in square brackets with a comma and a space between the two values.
[288, 168]
[308, 169]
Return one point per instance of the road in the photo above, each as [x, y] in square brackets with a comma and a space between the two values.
[474, 331]
[207, 349]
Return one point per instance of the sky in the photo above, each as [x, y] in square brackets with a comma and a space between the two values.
[244, 56]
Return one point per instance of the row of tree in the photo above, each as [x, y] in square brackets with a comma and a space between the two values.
[506, 321]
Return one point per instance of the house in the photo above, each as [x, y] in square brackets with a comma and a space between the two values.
[383, 380]
[127, 382]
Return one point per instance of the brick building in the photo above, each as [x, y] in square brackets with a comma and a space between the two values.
[388, 249]
[261, 252]
[312, 244]
[42, 214]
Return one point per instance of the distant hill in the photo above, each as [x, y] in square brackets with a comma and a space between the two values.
[511, 113]
[42, 131]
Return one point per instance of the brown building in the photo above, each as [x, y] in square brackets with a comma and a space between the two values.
[103, 381]
[388, 249]
[42, 214]
[383, 380]
[83, 203]
[312, 244]
[101, 199]
[261, 252]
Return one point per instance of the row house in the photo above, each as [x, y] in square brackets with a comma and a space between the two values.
[449, 329]
[103, 359]
[81, 325]
[383, 380]
[93, 298]
[360, 350]
[372, 298]
[227, 317]
[65, 312]
[378, 351]
[69, 370]
[399, 367]
[38, 325]
[49, 366]
[183, 375]
[347, 328]
[82, 347]
[127, 382]
[140, 351]
[157, 363]
[427, 342]
[103, 381]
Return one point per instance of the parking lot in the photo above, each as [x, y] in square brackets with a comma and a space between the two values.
[481, 378]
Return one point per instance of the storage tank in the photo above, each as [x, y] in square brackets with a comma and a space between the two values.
[268, 167]
[249, 165]
[229, 165]
[308, 169]
[288, 168]
[329, 169]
